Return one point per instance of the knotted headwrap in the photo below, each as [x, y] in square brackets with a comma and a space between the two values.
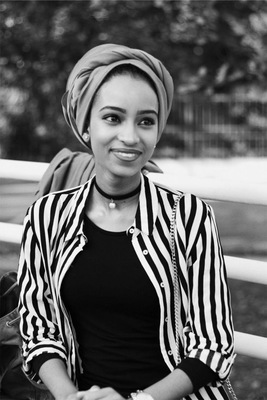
[89, 73]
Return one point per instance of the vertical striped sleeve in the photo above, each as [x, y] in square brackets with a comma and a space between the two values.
[210, 334]
[38, 325]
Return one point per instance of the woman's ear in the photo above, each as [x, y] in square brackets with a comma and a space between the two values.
[86, 136]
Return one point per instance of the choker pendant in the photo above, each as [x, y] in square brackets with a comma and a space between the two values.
[112, 205]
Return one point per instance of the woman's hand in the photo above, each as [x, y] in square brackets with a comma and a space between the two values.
[95, 393]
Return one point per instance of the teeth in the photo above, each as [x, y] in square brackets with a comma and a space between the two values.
[129, 155]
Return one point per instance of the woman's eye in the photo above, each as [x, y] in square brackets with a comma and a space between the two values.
[147, 122]
[112, 118]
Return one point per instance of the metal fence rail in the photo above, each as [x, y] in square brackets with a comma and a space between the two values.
[207, 188]
[218, 125]
[237, 268]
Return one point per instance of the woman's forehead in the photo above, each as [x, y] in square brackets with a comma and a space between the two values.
[124, 89]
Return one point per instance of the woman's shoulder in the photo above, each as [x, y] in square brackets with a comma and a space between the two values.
[60, 195]
[190, 206]
[162, 188]
[187, 197]
[58, 199]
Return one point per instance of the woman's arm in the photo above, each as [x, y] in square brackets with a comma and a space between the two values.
[173, 387]
[38, 325]
[54, 375]
[208, 334]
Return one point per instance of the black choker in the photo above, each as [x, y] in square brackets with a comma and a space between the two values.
[111, 204]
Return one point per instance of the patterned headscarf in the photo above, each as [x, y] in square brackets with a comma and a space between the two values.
[91, 70]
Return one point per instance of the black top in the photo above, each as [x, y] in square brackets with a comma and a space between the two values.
[115, 311]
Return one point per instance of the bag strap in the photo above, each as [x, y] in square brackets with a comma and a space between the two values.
[177, 296]
[230, 389]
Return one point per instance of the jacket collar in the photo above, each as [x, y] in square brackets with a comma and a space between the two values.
[147, 210]
[145, 217]
[77, 210]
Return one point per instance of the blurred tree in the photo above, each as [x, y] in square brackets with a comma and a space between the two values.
[208, 46]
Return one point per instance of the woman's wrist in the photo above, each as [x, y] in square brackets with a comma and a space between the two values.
[140, 395]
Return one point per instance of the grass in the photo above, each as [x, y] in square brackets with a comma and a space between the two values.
[243, 230]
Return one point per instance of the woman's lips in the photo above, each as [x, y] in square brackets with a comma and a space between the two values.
[126, 155]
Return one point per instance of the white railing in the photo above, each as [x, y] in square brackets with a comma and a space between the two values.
[237, 268]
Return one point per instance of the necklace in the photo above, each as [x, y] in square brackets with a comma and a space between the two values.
[112, 199]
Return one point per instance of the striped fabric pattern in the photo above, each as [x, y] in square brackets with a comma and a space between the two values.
[53, 236]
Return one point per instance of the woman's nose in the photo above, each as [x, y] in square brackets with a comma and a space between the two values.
[129, 134]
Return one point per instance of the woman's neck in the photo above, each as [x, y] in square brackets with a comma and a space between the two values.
[114, 218]
[117, 199]
[116, 185]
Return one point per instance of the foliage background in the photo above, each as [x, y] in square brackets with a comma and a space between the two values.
[210, 47]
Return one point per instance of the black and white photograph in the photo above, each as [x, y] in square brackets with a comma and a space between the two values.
[133, 199]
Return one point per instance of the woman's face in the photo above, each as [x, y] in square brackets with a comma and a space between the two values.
[123, 126]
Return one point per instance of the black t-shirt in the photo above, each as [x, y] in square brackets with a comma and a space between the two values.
[116, 313]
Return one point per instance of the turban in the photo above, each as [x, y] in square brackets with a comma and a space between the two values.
[91, 70]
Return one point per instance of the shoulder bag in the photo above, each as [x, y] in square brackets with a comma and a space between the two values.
[13, 382]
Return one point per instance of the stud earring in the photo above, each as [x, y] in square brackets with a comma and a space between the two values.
[86, 136]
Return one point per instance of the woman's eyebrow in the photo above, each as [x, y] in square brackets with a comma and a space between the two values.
[147, 112]
[123, 110]
[114, 108]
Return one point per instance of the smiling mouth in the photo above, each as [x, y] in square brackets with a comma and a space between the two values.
[126, 155]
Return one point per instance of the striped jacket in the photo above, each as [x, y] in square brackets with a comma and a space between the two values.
[53, 236]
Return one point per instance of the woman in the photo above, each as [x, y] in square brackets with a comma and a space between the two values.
[97, 300]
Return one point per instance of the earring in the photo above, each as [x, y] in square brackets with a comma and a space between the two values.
[86, 136]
